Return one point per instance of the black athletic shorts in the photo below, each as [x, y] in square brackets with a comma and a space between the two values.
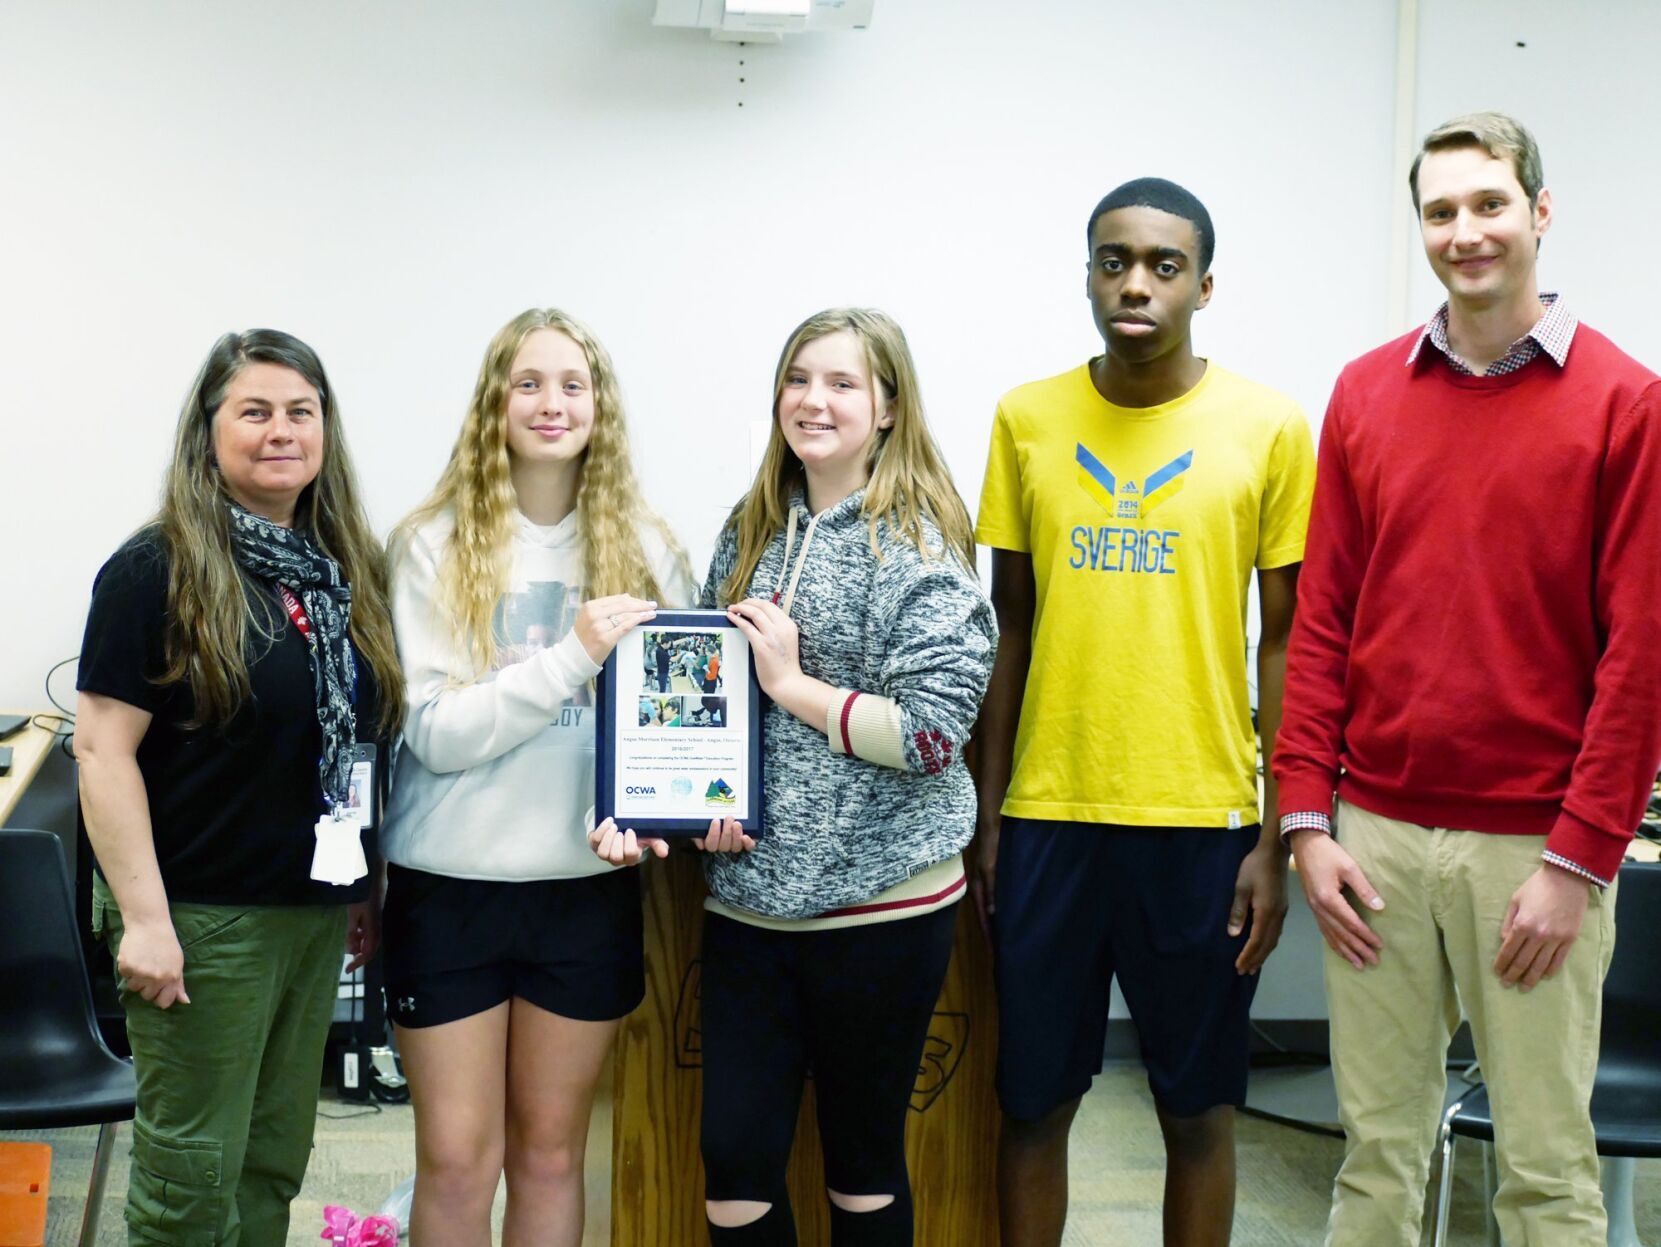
[1080, 904]
[456, 947]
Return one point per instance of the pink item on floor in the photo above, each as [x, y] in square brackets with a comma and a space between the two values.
[342, 1227]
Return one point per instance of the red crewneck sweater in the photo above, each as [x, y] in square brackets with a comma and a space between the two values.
[1478, 635]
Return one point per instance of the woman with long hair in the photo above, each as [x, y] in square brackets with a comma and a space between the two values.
[849, 567]
[511, 953]
[231, 674]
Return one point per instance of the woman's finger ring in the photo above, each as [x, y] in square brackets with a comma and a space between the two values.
[611, 621]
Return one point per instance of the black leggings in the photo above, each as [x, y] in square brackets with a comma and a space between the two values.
[850, 1005]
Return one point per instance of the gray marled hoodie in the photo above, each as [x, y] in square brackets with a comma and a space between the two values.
[919, 631]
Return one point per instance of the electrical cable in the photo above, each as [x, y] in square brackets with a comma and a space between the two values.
[368, 1109]
[56, 704]
[63, 721]
[354, 1022]
[1279, 1055]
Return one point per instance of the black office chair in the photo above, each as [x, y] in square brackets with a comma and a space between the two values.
[1626, 1097]
[54, 1068]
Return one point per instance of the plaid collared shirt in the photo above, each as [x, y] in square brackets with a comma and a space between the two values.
[1552, 334]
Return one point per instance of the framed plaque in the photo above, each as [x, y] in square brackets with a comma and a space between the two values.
[679, 739]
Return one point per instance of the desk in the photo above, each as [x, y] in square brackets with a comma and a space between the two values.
[29, 749]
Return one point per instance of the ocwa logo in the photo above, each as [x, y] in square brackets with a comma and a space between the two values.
[640, 790]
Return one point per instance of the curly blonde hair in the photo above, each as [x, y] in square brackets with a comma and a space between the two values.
[909, 478]
[477, 490]
[209, 606]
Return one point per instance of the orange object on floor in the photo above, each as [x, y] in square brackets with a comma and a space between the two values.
[25, 1180]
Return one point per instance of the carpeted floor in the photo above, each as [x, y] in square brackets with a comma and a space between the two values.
[1117, 1175]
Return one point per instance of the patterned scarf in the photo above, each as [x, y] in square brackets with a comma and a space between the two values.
[282, 556]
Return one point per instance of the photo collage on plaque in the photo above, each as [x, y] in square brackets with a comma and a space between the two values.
[683, 680]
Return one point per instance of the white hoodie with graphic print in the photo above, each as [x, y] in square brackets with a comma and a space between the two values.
[496, 775]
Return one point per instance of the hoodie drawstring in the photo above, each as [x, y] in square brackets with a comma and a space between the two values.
[801, 560]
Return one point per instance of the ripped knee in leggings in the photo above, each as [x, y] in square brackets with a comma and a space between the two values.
[859, 1203]
[729, 1214]
[750, 1223]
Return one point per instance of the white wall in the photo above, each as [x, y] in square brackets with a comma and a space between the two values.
[1582, 77]
[392, 181]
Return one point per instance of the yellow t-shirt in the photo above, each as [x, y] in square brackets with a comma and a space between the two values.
[1144, 525]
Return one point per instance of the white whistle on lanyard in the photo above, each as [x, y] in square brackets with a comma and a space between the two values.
[338, 855]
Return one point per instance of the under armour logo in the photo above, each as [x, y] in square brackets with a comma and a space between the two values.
[406, 1004]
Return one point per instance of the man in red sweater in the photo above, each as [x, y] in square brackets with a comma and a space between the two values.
[1475, 668]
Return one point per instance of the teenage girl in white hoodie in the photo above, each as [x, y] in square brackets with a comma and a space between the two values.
[511, 950]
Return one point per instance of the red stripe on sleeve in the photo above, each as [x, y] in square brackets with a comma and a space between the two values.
[847, 712]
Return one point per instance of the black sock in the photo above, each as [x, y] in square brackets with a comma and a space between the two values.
[774, 1228]
[886, 1227]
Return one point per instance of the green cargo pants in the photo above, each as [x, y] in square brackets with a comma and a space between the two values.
[227, 1084]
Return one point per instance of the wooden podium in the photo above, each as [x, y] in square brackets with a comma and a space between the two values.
[657, 1180]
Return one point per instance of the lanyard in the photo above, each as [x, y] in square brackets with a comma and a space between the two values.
[296, 612]
[302, 621]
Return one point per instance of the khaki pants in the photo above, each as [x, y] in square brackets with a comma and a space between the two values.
[1446, 894]
[227, 1085]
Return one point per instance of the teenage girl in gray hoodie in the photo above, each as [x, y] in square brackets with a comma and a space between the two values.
[849, 567]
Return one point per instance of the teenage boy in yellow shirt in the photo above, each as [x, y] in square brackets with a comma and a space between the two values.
[1127, 503]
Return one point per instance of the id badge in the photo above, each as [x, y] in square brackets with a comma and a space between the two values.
[338, 856]
[360, 792]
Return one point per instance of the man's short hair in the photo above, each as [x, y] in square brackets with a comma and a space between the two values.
[1167, 197]
[1502, 137]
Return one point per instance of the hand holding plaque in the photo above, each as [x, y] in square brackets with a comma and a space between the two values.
[602, 622]
[679, 740]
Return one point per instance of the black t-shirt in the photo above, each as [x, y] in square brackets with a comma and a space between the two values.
[232, 808]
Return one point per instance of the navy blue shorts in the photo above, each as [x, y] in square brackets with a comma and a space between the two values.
[1079, 904]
